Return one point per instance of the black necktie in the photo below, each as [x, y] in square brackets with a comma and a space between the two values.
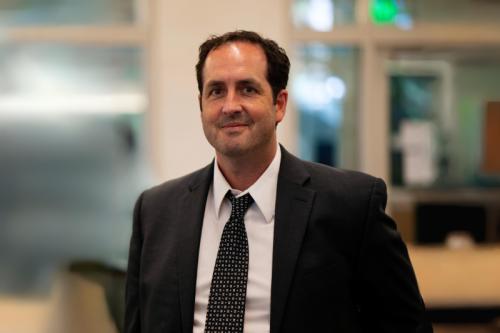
[226, 303]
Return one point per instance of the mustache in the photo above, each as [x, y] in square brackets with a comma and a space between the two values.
[239, 118]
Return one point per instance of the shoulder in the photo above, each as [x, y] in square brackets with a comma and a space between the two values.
[348, 180]
[174, 188]
[322, 177]
[340, 192]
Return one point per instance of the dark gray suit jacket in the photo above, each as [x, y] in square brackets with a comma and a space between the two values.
[339, 264]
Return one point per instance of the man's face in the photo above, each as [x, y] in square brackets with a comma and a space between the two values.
[238, 113]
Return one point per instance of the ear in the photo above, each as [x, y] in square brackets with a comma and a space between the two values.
[199, 102]
[281, 101]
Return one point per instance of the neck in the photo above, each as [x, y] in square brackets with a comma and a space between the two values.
[243, 171]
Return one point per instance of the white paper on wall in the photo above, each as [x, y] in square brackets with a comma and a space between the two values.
[418, 140]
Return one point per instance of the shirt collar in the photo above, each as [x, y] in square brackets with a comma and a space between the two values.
[263, 191]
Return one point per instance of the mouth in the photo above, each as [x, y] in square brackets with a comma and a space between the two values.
[234, 125]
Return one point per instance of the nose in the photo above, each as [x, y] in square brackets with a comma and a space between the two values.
[232, 103]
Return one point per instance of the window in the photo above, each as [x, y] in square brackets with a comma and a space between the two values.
[73, 102]
[324, 90]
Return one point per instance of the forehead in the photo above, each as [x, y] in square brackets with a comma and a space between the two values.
[235, 59]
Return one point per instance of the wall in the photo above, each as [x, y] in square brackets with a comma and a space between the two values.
[475, 85]
[178, 145]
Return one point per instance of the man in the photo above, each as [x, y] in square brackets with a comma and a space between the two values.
[259, 240]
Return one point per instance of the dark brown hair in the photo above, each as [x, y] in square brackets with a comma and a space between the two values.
[278, 64]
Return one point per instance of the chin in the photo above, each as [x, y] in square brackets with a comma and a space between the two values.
[232, 151]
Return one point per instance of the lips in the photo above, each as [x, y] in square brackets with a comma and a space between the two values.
[232, 125]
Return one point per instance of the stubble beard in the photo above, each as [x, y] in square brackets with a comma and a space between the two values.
[239, 147]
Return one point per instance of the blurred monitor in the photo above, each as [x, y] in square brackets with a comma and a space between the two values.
[434, 222]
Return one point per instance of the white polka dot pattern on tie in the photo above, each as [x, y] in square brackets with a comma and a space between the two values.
[226, 302]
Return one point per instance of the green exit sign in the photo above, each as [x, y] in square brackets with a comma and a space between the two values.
[384, 11]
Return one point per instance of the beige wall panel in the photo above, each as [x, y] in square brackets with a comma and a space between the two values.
[177, 28]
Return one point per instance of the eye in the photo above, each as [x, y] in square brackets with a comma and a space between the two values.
[215, 92]
[249, 90]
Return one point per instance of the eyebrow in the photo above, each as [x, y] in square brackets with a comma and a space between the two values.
[218, 83]
[214, 84]
[251, 82]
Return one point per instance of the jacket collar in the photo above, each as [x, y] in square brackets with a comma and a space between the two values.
[293, 206]
[190, 223]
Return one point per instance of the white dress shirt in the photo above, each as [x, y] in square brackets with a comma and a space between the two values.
[259, 224]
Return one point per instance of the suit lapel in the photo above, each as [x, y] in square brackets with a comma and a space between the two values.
[293, 206]
[190, 223]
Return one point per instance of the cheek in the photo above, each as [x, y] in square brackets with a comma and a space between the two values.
[207, 116]
[205, 122]
[209, 112]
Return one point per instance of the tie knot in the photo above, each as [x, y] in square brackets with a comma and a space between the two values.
[239, 205]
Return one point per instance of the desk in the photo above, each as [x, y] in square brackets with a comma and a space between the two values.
[459, 284]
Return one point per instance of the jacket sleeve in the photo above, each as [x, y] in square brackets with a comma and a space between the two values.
[132, 322]
[389, 298]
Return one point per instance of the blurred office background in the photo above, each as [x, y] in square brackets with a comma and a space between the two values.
[98, 101]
